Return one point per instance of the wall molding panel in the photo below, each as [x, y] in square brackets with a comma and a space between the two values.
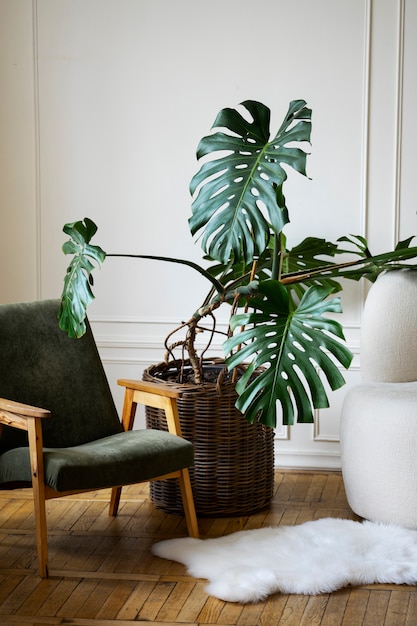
[37, 155]
[399, 119]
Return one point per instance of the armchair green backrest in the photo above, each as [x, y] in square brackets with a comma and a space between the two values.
[60, 430]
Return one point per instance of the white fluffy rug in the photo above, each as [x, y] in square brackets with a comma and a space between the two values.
[311, 558]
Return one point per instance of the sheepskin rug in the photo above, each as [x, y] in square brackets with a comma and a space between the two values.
[311, 558]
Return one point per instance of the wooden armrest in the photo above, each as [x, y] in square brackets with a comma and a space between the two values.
[159, 389]
[9, 406]
[16, 414]
[157, 395]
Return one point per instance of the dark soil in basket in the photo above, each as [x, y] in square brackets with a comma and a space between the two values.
[211, 374]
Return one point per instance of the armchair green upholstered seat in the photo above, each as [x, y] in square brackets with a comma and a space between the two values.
[60, 431]
[120, 459]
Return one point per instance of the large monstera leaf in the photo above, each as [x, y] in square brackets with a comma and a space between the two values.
[238, 196]
[290, 344]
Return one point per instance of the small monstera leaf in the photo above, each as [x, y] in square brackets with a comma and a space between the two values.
[238, 196]
[371, 267]
[289, 344]
[77, 293]
[311, 254]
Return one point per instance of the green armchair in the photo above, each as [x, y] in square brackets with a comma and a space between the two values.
[60, 431]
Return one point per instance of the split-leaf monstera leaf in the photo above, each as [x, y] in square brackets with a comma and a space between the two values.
[239, 194]
[288, 344]
[77, 293]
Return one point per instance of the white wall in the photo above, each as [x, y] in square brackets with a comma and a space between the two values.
[19, 204]
[103, 104]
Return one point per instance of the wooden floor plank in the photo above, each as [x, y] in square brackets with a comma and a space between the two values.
[377, 607]
[102, 546]
[192, 609]
[301, 488]
[316, 487]
[95, 594]
[285, 489]
[230, 613]
[335, 608]
[21, 553]
[397, 609]
[211, 611]
[12, 510]
[293, 611]
[78, 597]
[251, 614]
[176, 600]
[89, 514]
[273, 610]
[28, 588]
[411, 616]
[314, 610]
[57, 597]
[135, 601]
[155, 601]
[356, 608]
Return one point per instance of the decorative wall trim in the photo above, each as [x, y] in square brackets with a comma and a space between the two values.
[399, 120]
[319, 434]
[141, 334]
[37, 157]
[118, 346]
[282, 433]
[366, 132]
[109, 332]
[366, 116]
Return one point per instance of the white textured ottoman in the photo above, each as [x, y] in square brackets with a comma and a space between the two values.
[379, 417]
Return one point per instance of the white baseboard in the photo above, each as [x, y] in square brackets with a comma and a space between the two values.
[306, 459]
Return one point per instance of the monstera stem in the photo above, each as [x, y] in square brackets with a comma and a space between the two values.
[192, 354]
[277, 258]
[322, 271]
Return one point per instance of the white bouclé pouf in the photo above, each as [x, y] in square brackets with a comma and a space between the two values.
[379, 418]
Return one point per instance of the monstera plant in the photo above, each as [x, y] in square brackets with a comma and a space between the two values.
[279, 298]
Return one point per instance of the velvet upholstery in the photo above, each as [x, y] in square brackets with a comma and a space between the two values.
[84, 443]
[41, 366]
[122, 459]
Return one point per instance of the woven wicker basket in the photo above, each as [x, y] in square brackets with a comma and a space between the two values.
[233, 473]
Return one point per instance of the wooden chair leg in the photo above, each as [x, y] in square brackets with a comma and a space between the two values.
[41, 533]
[167, 403]
[174, 426]
[115, 500]
[128, 416]
[188, 503]
[38, 487]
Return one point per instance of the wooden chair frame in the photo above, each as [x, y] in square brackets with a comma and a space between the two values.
[29, 418]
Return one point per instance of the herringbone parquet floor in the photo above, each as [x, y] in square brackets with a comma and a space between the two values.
[102, 571]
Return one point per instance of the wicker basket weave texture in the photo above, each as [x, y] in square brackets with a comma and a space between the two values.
[233, 472]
